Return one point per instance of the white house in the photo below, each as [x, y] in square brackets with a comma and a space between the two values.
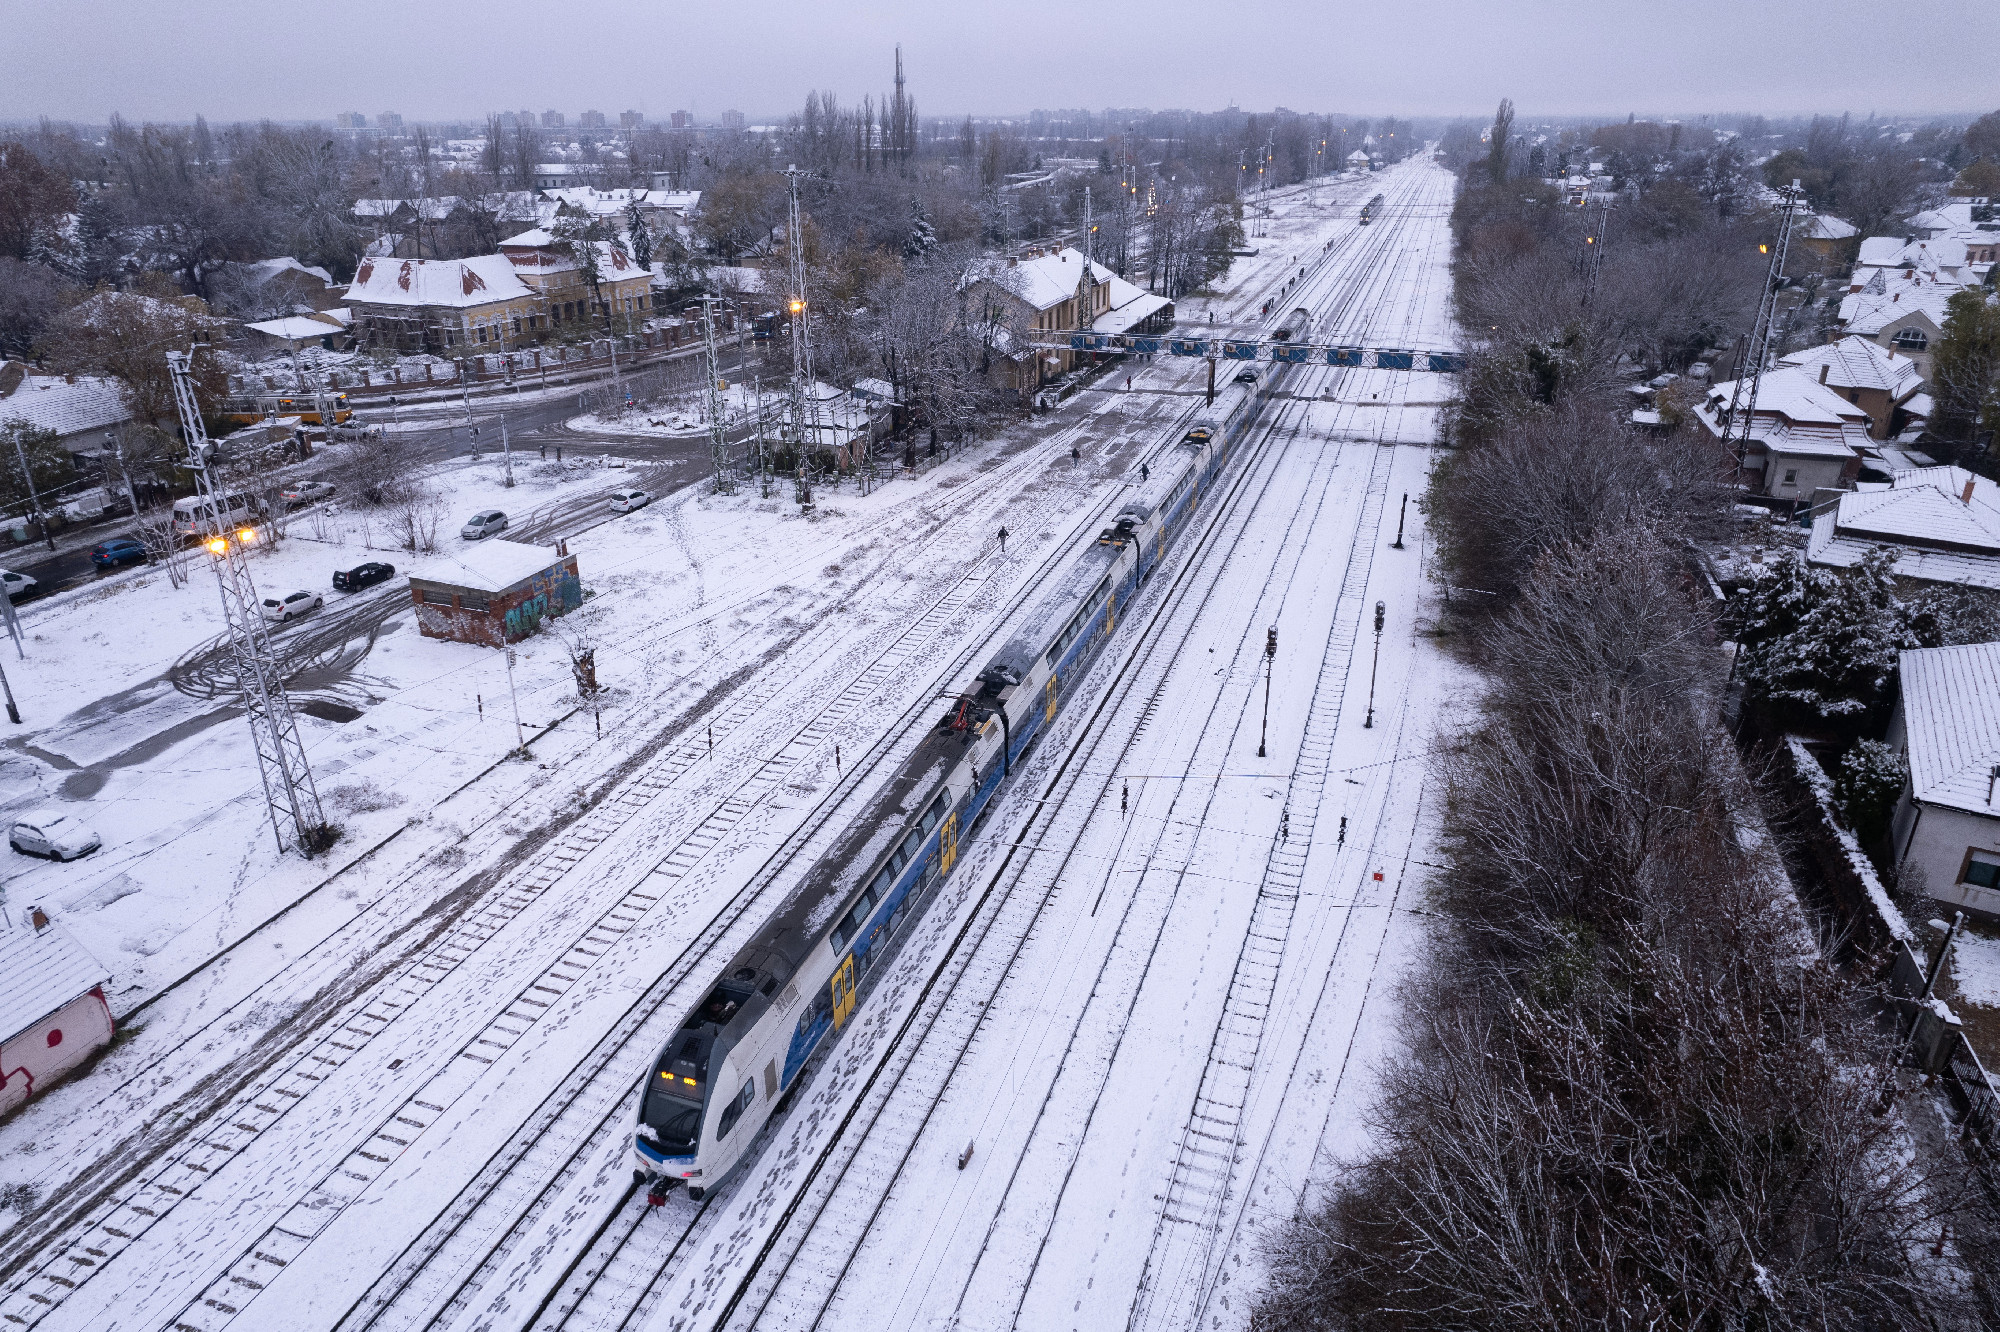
[1947, 825]
[1803, 436]
[1942, 522]
[53, 1013]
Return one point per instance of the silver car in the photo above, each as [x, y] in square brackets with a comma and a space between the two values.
[52, 833]
[483, 525]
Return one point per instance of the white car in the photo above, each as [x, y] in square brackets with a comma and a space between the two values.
[624, 501]
[483, 525]
[18, 585]
[52, 833]
[310, 492]
[291, 605]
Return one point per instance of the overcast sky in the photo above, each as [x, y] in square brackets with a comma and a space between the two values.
[245, 59]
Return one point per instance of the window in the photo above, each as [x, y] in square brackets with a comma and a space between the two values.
[734, 1110]
[433, 597]
[1912, 339]
[473, 601]
[1982, 869]
[1791, 476]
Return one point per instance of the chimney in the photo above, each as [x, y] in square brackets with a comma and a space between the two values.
[1823, 368]
[1966, 497]
[38, 918]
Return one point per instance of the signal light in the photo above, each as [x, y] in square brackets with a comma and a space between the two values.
[798, 307]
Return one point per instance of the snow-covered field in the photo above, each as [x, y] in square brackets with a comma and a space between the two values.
[391, 1087]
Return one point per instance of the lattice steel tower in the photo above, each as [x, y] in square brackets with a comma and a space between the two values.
[718, 432]
[805, 402]
[1736, 421]
[289, 794]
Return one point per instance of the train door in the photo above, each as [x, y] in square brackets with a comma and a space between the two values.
[843, 992]
[1049, 711]
[947, 843]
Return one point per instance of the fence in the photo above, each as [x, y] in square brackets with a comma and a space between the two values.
[1935, 1038]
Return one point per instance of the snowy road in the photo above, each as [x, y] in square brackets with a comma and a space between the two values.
[1112, 988]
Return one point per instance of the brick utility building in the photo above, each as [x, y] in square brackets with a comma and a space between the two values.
[493, 593]
[53, 1013]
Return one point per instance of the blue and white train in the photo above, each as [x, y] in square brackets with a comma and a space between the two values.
[800, 981]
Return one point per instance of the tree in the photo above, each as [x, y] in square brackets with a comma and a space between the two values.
[1503, 128]
[1965, 371]
[1868, 783]
[638, 236]
[923, 236]
[127, 335]
[48, 467]
[1982, 137]
[1822, 641]
[1980, 177]
[34, 198]
[30, 295]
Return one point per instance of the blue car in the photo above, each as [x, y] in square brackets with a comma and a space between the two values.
[117, 551]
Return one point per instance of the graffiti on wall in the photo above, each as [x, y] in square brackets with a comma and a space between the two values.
[554, 591]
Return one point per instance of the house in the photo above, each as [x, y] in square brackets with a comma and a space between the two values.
[1875, 379]
[549, 267]
[1043, 294]
[293, 332]
[442, 305]
[1947, 824]
[657, 207]
[493, 593]
[1802, 436]
[1942, 522]
[1824, 236]
[1907, 315]
[1882, 260]
[83, 412]
[271, 288]
[53, 1014]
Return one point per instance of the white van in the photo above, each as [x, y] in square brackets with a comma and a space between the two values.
[192, 517]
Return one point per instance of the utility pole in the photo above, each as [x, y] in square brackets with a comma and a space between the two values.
[1380, 611]
[520, 742]
[805, 403]
[1397, 544]
[1736, 421]
[34, 497]
[506, 451]
[1270, 656]
[289, 794]
[718, 432]
[1593, 259]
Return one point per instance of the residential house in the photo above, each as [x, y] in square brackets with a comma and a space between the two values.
[53, 1014]
[1825, 236]
[1043, 294]
[1802, 436]
[269, 288]
[444, 305]
[548, 266]
[1947, 823]
[1876, 379]
[1905, 315]
[658, 208]
[84, 412]
[1942, 522]
[296, 332]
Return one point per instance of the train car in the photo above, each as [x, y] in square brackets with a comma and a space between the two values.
[1370, 209]
[800, 980]
[1296, 327]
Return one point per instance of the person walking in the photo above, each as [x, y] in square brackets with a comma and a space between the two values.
[1003, 541]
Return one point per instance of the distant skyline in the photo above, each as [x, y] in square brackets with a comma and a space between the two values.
[238, 60]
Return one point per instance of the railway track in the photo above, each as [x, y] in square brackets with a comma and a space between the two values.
[110, 1228]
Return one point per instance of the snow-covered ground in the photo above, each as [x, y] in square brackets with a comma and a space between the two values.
[401, 1076]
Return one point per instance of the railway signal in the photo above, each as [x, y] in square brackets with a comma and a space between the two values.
[1270, 655]
[1381, 610]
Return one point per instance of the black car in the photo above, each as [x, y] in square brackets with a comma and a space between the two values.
[362, 575]
[119, 550]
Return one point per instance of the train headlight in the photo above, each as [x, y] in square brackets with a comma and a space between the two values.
[689, 1081]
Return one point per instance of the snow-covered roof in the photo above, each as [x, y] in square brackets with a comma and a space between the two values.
[1951, 720]
[723, 277]
[1131, 306]
[1867, 313]
[1047, 280]
[875, 388]
[1924, 514]
[449, 282]
[1937, 221]
[534, 238]
[493, 565]
[40, 971]
[66, 407]
[1825, 228]
[1795, 416]
[1855, 362]
[376, 207]
[295, 328]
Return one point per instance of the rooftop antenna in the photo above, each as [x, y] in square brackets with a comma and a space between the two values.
[289, 794]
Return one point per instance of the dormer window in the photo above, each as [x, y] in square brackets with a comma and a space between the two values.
[1912, 339]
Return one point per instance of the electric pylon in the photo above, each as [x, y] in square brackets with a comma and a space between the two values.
[289, 793]
[1736, 421]
[718, 433]
[804, 401]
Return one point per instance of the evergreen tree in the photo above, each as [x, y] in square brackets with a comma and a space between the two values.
[923, 237]
[1965, 370]
[640, 237]
[1824, 641]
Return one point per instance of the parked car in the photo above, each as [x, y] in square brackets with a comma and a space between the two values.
[362, 575]
[18, 585]
[291, 606]
[52, 833]
[624, 501]
[119, 550]
[310, 492]
[484, 524]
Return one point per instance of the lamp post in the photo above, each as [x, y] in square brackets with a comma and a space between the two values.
[1380, 611]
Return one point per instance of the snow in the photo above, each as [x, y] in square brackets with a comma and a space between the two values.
[1943, 522]
[67, 407]
[1951, 714]
[1070, 1042]
[1975, 969]
[491, 565]
[447, 282]
[40, 971]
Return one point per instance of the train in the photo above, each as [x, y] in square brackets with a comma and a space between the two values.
[1369, 210]
[1295, 327]
[737, 1055]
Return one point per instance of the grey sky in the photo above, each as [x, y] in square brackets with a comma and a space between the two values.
[243, 59]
